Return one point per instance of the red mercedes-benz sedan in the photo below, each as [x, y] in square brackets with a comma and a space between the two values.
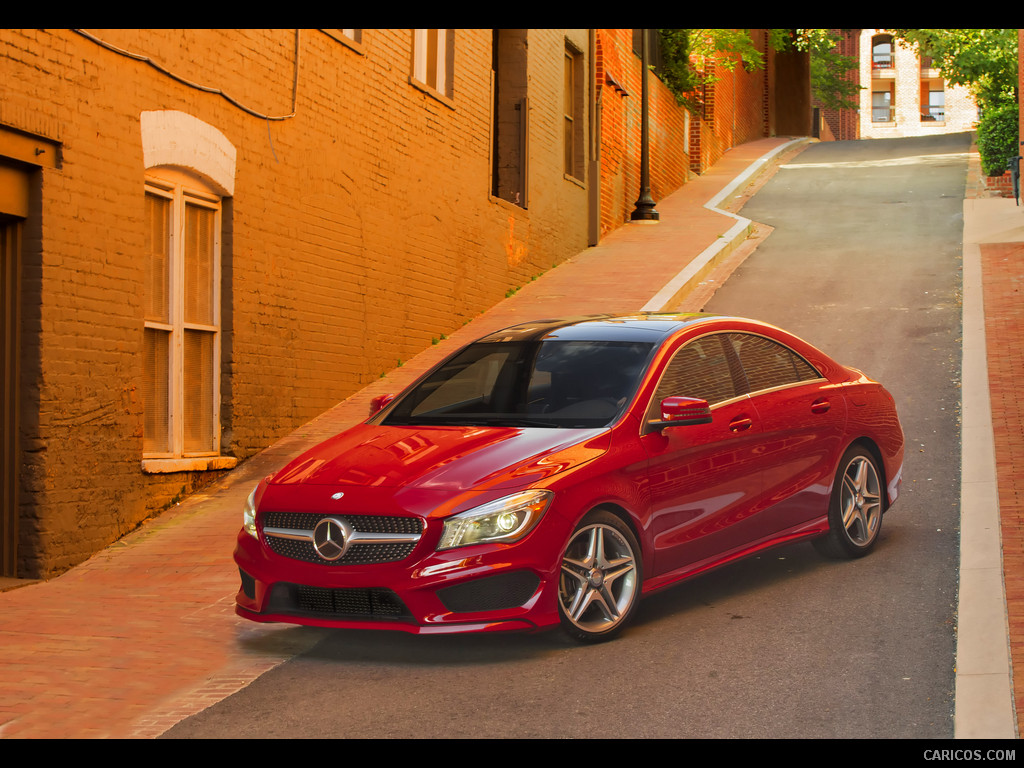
[554, 472]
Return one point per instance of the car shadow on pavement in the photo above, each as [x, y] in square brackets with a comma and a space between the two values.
[729, 587]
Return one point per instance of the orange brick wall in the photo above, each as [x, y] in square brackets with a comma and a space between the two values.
[360, 228]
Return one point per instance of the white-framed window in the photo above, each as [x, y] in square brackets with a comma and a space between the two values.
[432, 59]
[881, 107]
[182, 318]
[936, 107]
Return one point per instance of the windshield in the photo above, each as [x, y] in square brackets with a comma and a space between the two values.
[572, 384]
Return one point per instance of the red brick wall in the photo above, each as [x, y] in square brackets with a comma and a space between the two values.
[736, 109]
[360, 229]
[844, 124]
[619, 84]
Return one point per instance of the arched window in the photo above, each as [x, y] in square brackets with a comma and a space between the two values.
[881, 52]
[190, 169]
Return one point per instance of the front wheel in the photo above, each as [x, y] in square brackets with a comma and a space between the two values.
[855, 511]
[600, 579]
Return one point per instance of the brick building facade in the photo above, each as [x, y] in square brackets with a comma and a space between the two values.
[905, 95]
[901, 93]
[209, 237]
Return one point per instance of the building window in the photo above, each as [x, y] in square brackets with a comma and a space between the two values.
[573, 94]
[881, 107]
[182, 318]
[935, 111]
[881, 52]
[351, 38]
[432, 59]
[510, 130]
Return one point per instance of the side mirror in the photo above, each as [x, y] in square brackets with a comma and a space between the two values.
[380, 402]
[682, 411]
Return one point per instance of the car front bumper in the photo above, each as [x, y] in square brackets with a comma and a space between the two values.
[481, 588]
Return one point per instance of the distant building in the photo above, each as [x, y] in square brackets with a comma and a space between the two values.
[902, 94]
[907, 95]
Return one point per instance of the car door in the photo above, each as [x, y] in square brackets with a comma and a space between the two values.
[802, 418]
[703, 479]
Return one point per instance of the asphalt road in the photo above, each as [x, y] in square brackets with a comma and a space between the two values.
[865, 263]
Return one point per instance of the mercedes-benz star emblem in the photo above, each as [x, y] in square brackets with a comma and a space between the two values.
[330, 538]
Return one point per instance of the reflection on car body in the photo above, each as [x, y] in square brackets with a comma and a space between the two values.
[554, 472]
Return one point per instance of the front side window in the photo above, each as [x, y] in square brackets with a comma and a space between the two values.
[182, 318]
[701, 369]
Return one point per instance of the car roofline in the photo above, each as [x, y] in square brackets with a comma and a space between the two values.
[602, 326]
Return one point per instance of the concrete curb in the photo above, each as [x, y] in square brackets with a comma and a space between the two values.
[690, 276]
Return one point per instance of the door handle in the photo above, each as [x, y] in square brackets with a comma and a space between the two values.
[740, 423]
[820, 406]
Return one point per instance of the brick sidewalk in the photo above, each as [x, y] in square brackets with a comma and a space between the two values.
[1002, 267]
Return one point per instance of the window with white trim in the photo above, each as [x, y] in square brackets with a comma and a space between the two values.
[182, 318]
[432, 59]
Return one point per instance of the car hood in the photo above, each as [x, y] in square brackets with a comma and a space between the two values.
[444, 458]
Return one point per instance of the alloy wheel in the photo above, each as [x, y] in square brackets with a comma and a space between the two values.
[599, 580]
[861, 502]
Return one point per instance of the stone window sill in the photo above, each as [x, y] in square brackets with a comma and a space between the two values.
[193, 464]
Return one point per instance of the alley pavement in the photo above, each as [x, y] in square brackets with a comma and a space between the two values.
[143, 634]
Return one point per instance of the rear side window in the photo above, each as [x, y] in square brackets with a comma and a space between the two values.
[768, 364]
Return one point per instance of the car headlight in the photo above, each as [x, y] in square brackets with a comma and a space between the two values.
[504, 520]
[249, 514]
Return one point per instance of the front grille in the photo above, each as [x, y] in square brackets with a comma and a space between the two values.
[366, 554]
[376, 538]
[369, 523]
[348, 603]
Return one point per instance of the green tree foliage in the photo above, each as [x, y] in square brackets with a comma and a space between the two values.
[687, 54]
[831, 82]
[983, 60]
[997, 138]
[675, 70]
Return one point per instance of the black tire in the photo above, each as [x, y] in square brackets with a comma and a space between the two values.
[855, 510]
[601, 577]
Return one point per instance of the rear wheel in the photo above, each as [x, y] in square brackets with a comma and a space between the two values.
[600, 580]
[855, 512]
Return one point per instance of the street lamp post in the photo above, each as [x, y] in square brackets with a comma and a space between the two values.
[643, 210]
